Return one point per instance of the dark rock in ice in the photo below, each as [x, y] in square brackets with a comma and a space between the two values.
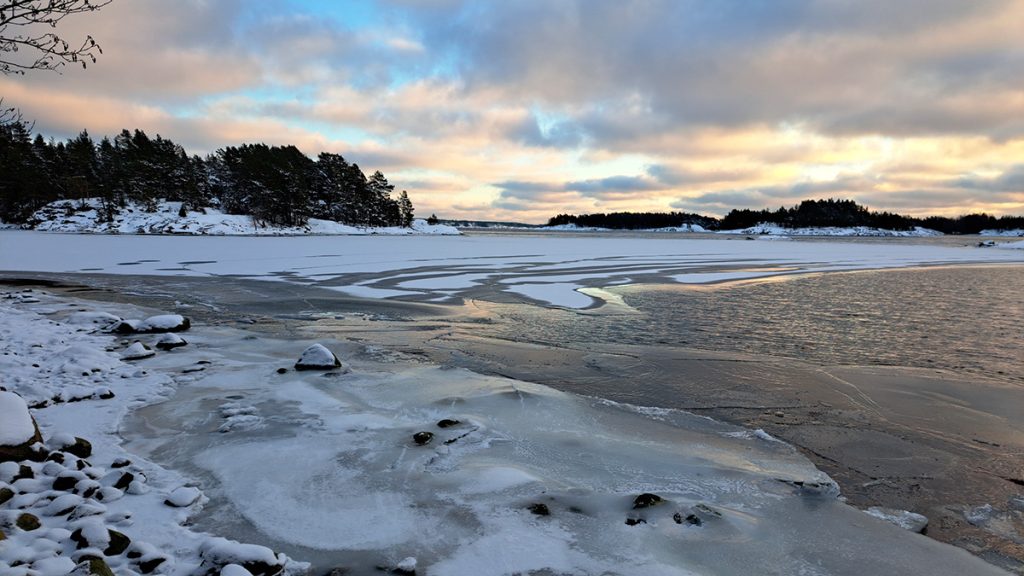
[66, 481]
[27, 522]
[635, 521]
[80, 447]
[148, 566]
[124, 481]
[317, 357]
[539, 509]
[691, 519]
[57, 457]
[118, 543]
[448, 423]
[422, 438]
[646, 500]
[282, 370]
[6, 494]
[24, 471]
[120, 463]
[92, 566]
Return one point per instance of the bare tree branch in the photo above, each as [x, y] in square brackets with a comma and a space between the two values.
[43, 50]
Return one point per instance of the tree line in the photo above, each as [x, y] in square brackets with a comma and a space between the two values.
[809, 213]
[276, 185]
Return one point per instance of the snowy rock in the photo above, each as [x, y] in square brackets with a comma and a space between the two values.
[27, 522]
[183, 496]
[257, 560]
[102, 319]
[422, 438]
[646, 500]
[153, 325]
[234, 570]
[980, 515]
[72, 445]
[137, 351]
[170, 341]
[317, 357]
[18, 430]
[902, 518]
[406, 566]
[92, 567]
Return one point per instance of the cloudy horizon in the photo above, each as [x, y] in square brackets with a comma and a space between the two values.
[521, 110]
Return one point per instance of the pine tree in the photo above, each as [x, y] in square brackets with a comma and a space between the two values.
[405, 209]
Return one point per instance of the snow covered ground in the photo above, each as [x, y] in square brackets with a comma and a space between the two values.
[394, 462]
[66, 216]
[547, 269]
[776, 230]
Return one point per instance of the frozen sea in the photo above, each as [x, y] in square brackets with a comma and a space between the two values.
[325, 470]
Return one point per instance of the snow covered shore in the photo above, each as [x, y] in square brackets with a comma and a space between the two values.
[84, 499]
[82, 216]
[389, 461]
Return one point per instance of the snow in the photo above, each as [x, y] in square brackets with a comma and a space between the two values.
[1011, 245]
[16, 426]
[50, 334]
[776, 230]
[65, 216]
[533, 267]
[1017, 232]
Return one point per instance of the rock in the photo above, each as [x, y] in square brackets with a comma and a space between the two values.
[66, 481]
[635, 521]
[120, 463]
[124, 481]
[78, 447]
[234, 570]
[447, 423]
[282, 370]
[118, 543]
[153, 325]
[216, 553]
[149, 565]
[646, 500]
[902, 518]
[539, 509]
[317, 357]
[24, 472]
[27, 522]
[2, 536]
[55, 457]
[406, 566]
[170, 341]
[183, 496]
[137, 351]
[6, 494]
[92, 567]
[422, 438]
[691, 519]
[18, 430]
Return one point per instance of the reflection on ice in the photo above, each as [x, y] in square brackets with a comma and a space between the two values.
[334, 470]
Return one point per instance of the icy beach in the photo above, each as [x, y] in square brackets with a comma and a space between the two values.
[390, 460]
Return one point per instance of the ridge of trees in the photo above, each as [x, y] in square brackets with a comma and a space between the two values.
[276, 185]
[809, 213]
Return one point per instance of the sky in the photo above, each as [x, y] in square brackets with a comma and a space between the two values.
[520, 110]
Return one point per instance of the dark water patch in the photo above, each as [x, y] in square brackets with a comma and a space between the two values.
[191, 262]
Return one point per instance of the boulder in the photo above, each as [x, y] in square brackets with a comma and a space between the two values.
[77, 446]
[448, 423]
[27, 522]
[217, 553]
[170, 341]
[183, 496]
[6, 494]
[317, 357]
[153, 325]
[539, 509]
[92, 567]
[137, 351]
[646, 500]
[18, 430]
[422, 438]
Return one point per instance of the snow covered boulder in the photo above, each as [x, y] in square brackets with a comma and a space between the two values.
[137, 351]
[217, 553]
[18, 429]
[153, 325]
[317, 357]
[183, 497]
[170, 341]
[71, 444]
